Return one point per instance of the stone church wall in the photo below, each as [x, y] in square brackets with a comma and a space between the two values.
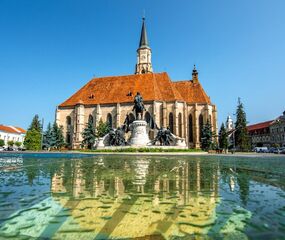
[160, 111]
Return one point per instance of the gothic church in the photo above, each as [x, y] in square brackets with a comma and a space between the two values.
[181, 105]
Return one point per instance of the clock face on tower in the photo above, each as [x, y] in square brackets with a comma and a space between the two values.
[143, 58]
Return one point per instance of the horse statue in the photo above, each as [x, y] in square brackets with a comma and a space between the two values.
[139, 106]
[117, 137]
[164, 137]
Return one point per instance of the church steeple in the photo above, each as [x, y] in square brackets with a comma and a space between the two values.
[143, 53]
[143, 40]
[195, 75]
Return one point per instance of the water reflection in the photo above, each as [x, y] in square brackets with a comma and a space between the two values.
[138, 197]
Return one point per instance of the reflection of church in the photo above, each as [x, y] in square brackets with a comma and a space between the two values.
[141, 175]
[140, 198]
[182, 105]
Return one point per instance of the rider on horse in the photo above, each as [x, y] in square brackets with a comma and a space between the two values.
[138, 107]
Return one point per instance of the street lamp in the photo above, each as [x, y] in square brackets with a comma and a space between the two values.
[42, 134]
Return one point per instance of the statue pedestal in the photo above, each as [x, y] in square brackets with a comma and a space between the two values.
[139, 135]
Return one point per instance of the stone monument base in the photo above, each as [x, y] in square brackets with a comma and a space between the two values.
[139, 135]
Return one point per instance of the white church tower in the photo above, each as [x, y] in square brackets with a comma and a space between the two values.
[229, 123]
[143, 54]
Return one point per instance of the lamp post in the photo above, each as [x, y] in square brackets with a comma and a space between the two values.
[42, 134]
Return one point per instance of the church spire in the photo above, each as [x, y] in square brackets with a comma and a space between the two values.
[143, 40]
[143, 53]
[195, 75]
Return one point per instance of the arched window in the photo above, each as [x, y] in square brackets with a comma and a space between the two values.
[147, 117]
[201, 124]
[190, 128]
[170, 122]
[132, 117]
[109, 120]
[68, 120]
[149, 120]
[210, 120]
[91, 119]
[180, 124]
[68, 138]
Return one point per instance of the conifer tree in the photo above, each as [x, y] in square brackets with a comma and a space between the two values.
[223, 137]
[241, 134]
[57, 139]
[89, 135]
[33, 136]
[36, 124]
[206, 137]
[47, 137]
[102, 129]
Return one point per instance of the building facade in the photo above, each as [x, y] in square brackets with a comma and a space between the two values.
[181, 105]
[277, 131]
[260, 134]
[268, 134]
[11, 133]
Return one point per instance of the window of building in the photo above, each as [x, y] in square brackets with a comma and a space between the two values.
[190, 128]
[149, 120]
[201, 124]
[210, 119]
[91, 119]
[110, 120]
[68, 120]
[180, 124]
[68, 138]
[171, 122]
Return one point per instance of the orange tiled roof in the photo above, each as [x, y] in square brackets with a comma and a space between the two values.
[152, 86]
[10, 129]
[192, 92]
[21, 129]
[259, 125]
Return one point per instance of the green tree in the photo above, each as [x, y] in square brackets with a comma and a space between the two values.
[223, 137]
[57, 139]
[36, 124]
[47, 137]
[102, 129]
[207, 136]
[33, 136]
[241, 134]
[215, 143]
[18, 144]
[11, 143]
[33, 140]
[89, 135]
[2, 143]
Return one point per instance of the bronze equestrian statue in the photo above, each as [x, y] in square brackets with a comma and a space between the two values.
[139, 106]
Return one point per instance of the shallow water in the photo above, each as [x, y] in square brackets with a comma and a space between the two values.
[57, 196]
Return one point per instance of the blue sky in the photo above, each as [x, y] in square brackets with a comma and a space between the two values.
[49, 49]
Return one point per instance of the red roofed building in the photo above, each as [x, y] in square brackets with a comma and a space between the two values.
[11, 133]
[260, 134]
[277, 131]
[183, 106]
